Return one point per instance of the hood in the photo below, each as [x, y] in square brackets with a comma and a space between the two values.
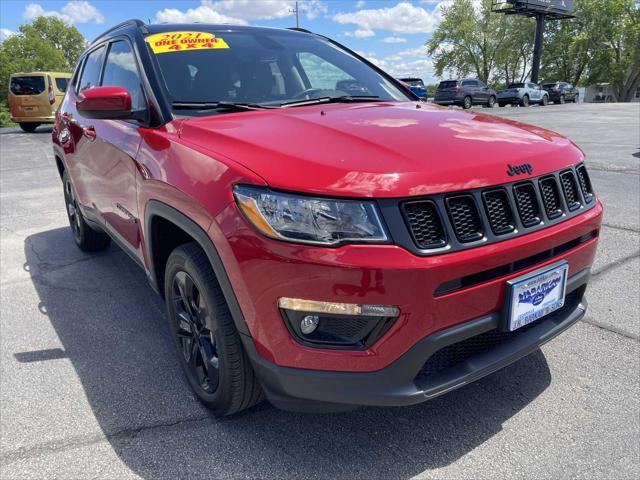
[379, 149]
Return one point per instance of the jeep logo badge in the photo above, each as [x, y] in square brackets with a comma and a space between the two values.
[519, 169]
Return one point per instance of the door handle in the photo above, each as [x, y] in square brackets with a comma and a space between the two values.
[89, 132]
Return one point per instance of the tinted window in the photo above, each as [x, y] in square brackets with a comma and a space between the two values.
[91, 72]
[469, 83]
[61, 83]
[27, 85]
[480, 84]
[268, 67]
[448, 84]
[516, 85]
[549, 85]
[121, 70]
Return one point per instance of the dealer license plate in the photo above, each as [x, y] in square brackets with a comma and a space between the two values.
[536, 294]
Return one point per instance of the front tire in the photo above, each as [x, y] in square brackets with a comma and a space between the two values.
[209, 348]
[525, 101]
[491, 102]
[562, 100]
[467, 102]
[86, 238]
[29, 127]
[545, 101]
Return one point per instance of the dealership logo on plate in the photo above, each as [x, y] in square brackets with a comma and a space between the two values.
[536, 295]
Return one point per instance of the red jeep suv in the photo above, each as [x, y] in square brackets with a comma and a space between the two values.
[320, 247]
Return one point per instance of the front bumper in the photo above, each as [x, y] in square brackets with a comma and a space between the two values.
[407, 380]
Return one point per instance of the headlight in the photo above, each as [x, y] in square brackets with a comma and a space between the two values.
[319, 221]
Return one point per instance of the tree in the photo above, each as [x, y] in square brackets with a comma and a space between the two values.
[46, 44]
[601, 44]
[468, 40]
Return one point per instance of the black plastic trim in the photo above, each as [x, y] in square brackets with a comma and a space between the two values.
[155, 208]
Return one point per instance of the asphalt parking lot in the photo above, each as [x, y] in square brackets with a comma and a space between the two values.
[90, 388]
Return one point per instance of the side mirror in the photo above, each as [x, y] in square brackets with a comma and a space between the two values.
[107, 103]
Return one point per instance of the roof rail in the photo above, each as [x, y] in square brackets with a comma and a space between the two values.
[298, 29]
[133, 21]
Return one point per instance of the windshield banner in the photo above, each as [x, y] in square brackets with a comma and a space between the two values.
[179, 41]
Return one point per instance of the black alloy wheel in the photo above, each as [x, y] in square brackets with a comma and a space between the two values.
[73, 211]
[466, 103]
[194, 330]
[86, 238]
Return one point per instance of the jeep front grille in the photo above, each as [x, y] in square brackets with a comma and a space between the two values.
[456, 221]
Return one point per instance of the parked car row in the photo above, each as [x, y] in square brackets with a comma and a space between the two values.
[468, 92]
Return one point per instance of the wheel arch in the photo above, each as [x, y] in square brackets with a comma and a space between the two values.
[158, 218]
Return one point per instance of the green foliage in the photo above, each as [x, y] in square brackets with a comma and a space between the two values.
[46, 44]
[601, 44]
[5, 116]
[468, 41]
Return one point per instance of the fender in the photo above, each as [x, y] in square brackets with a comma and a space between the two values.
[155, 208]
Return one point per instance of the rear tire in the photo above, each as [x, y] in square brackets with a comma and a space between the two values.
[467, 102]
[209, 348]
[562, 100]
[28, 127]
[545, 101]
[86, 238]
[500, 104]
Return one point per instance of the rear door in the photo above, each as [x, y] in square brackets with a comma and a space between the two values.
[28, 96]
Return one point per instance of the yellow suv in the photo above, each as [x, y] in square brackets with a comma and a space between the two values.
[35, 96]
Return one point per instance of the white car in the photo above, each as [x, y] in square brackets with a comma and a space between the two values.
[523, 94]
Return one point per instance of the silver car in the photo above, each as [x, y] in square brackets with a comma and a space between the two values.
[523, 94]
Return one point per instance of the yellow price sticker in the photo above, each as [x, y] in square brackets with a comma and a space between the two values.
[182, 41]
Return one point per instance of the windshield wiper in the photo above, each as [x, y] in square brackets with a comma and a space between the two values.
[235, 106]
[341, 99]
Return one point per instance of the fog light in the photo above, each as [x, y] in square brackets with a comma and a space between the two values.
[336, 325]
[309, 323]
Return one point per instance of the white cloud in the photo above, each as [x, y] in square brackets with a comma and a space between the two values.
[5, 33]
[82, 12]
[72, 12]
[240, 11]
[360, 33]
[411, 62]
[394, 40]
[403, 18]
[360, 3]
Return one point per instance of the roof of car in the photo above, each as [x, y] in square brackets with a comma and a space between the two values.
[42, 72]
[173, 27]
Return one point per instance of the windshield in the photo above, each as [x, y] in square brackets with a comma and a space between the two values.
[516, 85]
[264, 68]
[27, 85]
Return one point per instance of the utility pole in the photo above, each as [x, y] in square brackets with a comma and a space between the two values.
[296, 10]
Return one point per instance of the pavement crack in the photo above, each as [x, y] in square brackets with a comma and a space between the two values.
[614, 265]
[9, 457]
[618, 227]
[611, 329]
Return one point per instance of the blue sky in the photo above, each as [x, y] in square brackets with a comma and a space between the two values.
[390, 33]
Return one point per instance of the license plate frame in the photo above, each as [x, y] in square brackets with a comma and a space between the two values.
[534, 295]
